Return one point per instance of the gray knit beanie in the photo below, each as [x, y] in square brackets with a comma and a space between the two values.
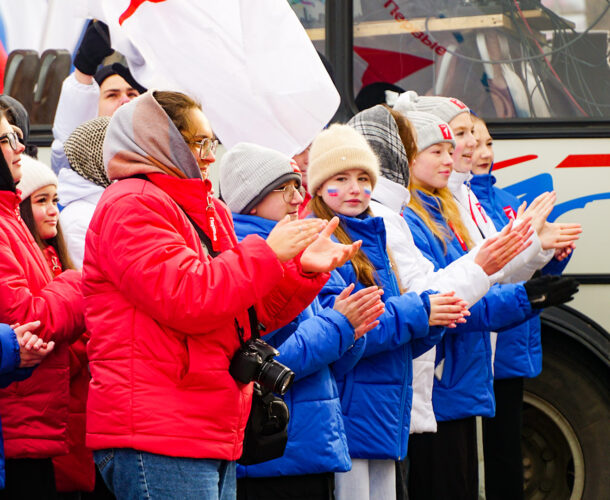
[34, 175]
[249, 172]
[430, 129]
[336, 149]
[446, 108]
[84, 150]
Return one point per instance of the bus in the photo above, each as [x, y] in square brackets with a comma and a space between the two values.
[538, 73]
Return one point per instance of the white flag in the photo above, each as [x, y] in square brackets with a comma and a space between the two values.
[249, 63]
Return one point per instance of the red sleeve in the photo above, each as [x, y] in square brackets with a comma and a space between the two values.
[147, 250]
[58, 306]
[290, 297]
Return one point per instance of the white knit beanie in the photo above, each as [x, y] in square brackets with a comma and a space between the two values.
[430, 129]
[249, 172]
[34, 175]
[336, 149]
[446, 108]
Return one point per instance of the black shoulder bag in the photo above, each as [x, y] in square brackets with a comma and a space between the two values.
[266, 432]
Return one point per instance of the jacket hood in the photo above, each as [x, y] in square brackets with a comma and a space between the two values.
[391, 194]
[6, 178]
[142, 139]
[377, 125]
[72, 187]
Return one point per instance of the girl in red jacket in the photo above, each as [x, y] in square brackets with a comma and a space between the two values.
[38, 186]
[165, 418]
[35, 411]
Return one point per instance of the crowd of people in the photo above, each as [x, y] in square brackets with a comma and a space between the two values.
[401, 288]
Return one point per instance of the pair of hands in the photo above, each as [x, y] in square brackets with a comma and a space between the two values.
[558, 236]
[498, 251]
[363, 309]
[312, 237]
[32, 349]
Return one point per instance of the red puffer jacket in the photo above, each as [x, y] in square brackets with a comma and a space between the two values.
[161, 316]
[35, 412]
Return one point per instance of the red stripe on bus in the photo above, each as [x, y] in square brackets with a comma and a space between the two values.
[513, 161]
[573, 161]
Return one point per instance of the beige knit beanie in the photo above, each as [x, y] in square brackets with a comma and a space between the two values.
[336, 149]
[34, 176]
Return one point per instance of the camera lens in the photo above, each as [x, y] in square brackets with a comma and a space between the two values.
[275, 377]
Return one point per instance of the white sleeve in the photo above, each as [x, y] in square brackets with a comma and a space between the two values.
[416, 273]
[77, 104]
[74, 222]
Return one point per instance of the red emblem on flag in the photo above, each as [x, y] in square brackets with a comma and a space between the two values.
[133, 6]
[458, 103]
[446, 131]
[510, 213]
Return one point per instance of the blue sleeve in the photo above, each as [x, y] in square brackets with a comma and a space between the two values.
[316, 343]
[435, 333]
[404, 319]
[9, 358]
[502, 307]
[349, 359]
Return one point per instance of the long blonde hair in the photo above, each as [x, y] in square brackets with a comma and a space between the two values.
[448, 209]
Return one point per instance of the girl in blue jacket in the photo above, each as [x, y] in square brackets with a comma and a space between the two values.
[262, 187]
[463, 385]
[375, 377]
[518, 350]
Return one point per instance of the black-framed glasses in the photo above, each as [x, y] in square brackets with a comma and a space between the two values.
[289, 191]
[206, 146]
[12, 138]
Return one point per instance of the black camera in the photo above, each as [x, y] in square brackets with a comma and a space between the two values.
[253, 362]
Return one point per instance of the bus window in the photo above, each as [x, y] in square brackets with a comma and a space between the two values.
[506, 59]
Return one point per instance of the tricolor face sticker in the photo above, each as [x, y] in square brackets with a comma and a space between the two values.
[347, 193]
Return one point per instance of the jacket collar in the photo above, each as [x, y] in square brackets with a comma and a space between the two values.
[482, 185]
[252, 224]
[9, 202]
[457, 179]
[391, 194]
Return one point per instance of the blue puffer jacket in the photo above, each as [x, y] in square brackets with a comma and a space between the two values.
[518, 349]
[376, 392]
[9, 372]
[463, 385]
[307, 345]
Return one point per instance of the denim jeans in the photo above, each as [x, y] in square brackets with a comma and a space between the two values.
[138, 475]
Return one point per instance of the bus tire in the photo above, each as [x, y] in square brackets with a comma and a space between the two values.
[565, 424]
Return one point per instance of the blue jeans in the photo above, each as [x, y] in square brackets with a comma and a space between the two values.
[138, 475]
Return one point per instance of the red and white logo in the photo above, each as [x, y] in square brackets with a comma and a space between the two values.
[295, 167]
[458, 103]
[510, 213]
[446, 131]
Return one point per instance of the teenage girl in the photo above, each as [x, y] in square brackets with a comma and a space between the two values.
[375, 386]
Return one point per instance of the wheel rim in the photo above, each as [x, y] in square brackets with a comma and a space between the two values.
[552, 456]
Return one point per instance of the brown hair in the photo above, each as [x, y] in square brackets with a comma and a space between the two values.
[178, 107]
[406, 132]
[365, 271]
[57, 242]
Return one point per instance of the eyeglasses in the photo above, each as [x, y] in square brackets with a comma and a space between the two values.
[12, 138]
[289, 192]
[206, 146]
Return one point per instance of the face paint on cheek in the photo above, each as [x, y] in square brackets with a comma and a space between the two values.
[332, 191]
[367, 192]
